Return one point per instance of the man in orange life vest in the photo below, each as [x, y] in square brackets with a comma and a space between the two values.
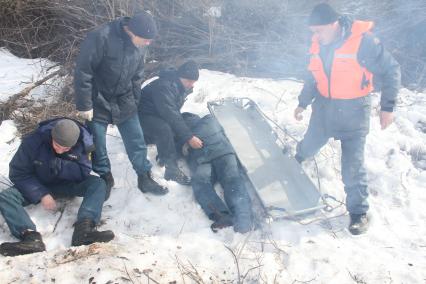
[344, 58]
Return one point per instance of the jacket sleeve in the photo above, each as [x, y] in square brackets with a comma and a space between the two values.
[22, 174]
[168, 109]
[138, 79]
[91, 53]
[384, 67]
[308, 92]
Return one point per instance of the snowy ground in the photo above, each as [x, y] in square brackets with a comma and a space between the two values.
[168, 239]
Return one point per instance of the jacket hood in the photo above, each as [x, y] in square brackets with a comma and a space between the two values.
[345, 22]
[45, 129]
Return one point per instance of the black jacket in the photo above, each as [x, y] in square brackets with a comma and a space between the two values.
[109, 73]
[371, 55]
[164, 97]
[36, 166]
[215, 143]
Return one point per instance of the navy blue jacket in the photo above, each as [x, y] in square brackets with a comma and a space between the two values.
[36, 166]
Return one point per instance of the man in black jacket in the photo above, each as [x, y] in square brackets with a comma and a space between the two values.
[161, 120]
[108, 78]
[345, 57]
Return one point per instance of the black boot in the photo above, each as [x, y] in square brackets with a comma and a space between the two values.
[85, 233]
[109, 180]
[221, 221]
[358, 224]
[147, 185]
[175, 174]
[31, 243]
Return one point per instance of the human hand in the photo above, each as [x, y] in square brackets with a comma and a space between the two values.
[86, 115]
[386, 119]
[195, 142]
[48, 202]
[298, 113]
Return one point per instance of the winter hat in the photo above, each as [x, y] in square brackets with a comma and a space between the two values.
[189, 70]
[66, 133]
[143, 25]
[322, 14]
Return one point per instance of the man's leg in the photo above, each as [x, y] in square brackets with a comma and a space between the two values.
[134, 142]
[315, 137]
[235, 193]
[354, 175]
[161, 134]
[205, 194]
[12, 208]
[100, 160]
[355, 180]
[93, 190]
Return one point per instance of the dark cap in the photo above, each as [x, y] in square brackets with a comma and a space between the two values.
[323, 14]
[143, 25]
[66, 133]
[189, 70]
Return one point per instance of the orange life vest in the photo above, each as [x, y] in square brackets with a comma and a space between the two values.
[348, 79]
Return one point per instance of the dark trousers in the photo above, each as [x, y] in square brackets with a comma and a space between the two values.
[92, 189]
[157, 131]
[226, 171]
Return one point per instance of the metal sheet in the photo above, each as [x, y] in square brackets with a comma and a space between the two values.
[280, 182]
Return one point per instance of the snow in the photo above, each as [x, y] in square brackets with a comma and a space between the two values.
[168, 238]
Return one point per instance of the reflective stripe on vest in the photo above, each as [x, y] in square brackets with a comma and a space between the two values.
[348, 79]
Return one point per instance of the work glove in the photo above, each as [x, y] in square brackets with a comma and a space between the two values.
[86, 115]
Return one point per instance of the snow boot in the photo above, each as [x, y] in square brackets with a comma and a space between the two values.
[175, 174]
[147, 185]
[85, 233]
[31, 243]
[109, 180]
[358, 224]
[222, 221]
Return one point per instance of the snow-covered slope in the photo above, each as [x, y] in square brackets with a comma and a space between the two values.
[166, 239]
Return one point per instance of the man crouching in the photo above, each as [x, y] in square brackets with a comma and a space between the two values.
[52, 161]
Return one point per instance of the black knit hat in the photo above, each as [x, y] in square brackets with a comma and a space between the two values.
[322, 14]
[66, 132]
[189, 70]
[143, 25]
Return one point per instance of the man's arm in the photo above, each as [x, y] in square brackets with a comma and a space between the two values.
[384, 67]
[22, 175]
[138, 79]
[163, 99]
[91, 53]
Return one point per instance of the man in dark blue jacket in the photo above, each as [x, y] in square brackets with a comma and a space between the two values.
[161, 120]
[216, 161]
[53, 161]
[108, 79]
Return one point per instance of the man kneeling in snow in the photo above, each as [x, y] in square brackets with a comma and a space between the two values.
[53, 161]
[216, 161]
